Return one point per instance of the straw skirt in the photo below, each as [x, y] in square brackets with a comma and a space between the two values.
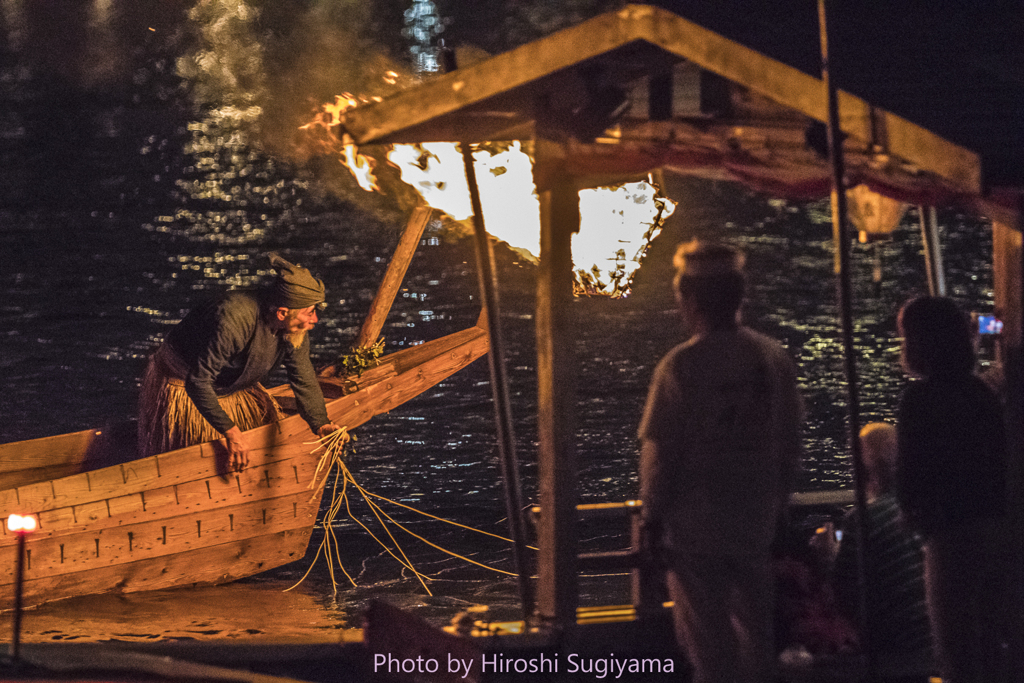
[168, 419]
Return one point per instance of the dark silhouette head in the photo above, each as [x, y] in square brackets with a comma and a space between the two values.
[937, 337]
[709, 282]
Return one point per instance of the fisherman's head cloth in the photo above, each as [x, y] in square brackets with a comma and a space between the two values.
[294, 286]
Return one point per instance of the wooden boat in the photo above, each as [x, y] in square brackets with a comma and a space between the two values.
[110, 523]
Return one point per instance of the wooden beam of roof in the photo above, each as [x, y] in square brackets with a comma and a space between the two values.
[529, 69]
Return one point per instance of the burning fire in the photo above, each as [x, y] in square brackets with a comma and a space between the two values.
[616, 223]
[505, 179]
[360, 165]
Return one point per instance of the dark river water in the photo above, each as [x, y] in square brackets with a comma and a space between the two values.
[122, 206]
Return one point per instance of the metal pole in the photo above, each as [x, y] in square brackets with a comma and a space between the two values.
[842, 246]
[499, 388]
[932, 250]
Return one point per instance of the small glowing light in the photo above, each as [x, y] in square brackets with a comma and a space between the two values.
[21, 523]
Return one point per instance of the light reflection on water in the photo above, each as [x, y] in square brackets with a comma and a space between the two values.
[72, 355]
[205, 613]
[99, 261]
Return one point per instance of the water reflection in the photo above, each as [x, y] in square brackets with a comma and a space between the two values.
[155, 195]
[243, 610]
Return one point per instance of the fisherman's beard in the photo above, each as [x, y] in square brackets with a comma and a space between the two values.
[295, 338]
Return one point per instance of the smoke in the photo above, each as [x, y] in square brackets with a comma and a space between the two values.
[320, 54]
[261, 71]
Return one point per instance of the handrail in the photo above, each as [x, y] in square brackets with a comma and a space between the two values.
[836, 497]
[647, 588]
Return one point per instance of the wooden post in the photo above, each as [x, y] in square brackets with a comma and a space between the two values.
[499, 387]
[558, 580]
[647, 578]
[19, 584]
[1006, 269]
[932, 250]
[1008, 272]
[392, 281]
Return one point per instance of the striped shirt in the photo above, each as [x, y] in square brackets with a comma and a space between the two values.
[897, 611]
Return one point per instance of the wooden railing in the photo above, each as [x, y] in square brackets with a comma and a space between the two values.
[647, 582]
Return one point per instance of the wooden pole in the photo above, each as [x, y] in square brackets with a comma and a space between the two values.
[1008, 274]
[19, 576]
[842, 245]
[499, 388]
[392, 281]
[1007, 269]
[932, 250]
[1013, 359]
[558, 577]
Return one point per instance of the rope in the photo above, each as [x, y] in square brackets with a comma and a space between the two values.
[336, 446]
[432, 545]
[442, 519]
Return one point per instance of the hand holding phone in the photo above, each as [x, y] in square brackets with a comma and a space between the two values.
[989, 324]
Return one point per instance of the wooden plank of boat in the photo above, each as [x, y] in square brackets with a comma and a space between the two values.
[201, 566]
[405, 375]
[50, 457]
[181, 518]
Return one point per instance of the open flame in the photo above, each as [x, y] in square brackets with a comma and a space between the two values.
[505, 180]
[616, 223]
[359, 165]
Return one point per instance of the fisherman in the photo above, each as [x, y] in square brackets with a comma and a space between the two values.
[720, 446]
[203, 383]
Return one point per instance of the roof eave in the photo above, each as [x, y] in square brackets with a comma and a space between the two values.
[401, 116]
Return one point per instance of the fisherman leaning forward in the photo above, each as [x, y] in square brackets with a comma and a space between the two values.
[204, 382]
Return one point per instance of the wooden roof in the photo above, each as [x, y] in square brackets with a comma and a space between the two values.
[549, 82]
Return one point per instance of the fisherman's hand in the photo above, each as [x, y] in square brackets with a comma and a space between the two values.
[238, 449]
[330, 428]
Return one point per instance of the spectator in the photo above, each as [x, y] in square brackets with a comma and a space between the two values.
[897, 614]
[720, 445]
[951, 486]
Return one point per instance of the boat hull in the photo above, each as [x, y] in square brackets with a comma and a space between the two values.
[181, 518]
